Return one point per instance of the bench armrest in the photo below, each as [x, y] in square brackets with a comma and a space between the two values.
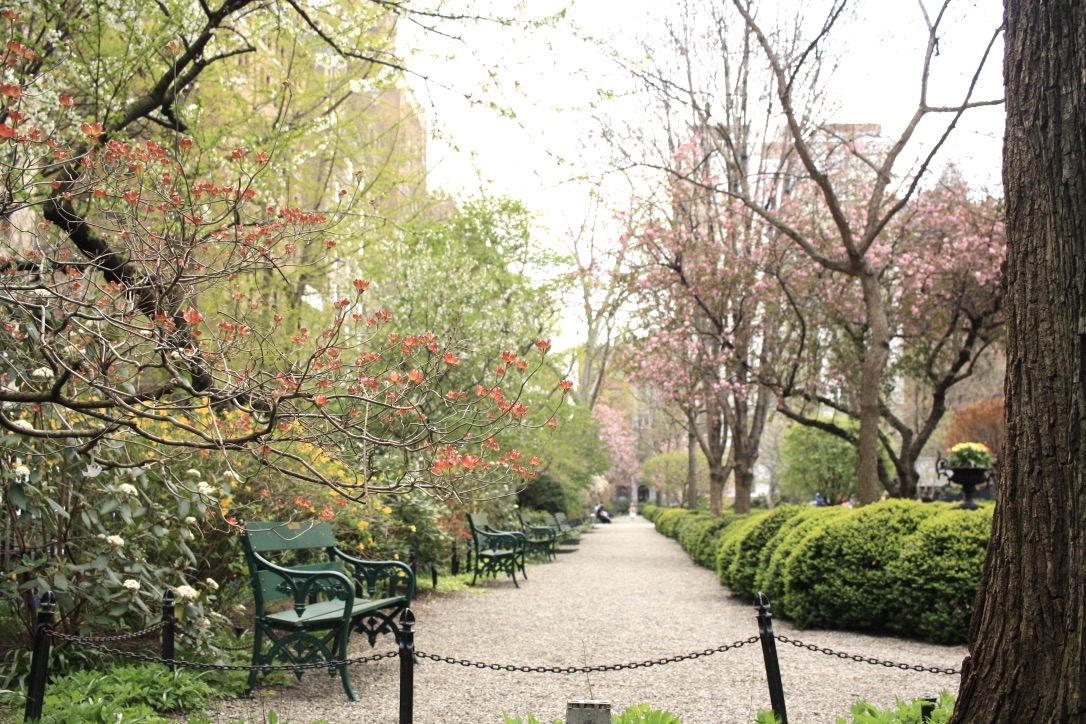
[517, 535]
[542, 529]
[371, 573]
[494, 540]
[300, 585]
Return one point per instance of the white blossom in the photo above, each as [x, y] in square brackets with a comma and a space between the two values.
[22, 471]
[192, 473]
[127, 489]
[115, 540]
[44, 373]
[190, 521]
[186, 593]
[204, 489]
[212, 585]
[131, 584]
[240, 608]
[232, 475]
[22, 424]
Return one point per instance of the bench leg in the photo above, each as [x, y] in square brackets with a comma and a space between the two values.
[341, 654]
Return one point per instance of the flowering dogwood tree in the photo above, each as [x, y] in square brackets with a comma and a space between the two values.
[131, 299]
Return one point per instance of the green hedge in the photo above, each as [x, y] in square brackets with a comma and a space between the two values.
[777, 549]
[649, 511]
[741, 575]
[729, 542]
[937, 572]
[897, 566]
[841, 573]
[668, 521]
[698, 537]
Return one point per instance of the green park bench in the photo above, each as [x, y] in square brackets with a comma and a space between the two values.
[567, 532]
[541, 538]
[496, 551]
[328, 594]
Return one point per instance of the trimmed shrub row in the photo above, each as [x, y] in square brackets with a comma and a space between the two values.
[896, 566]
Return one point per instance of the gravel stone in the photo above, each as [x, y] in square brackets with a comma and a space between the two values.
[627, 594]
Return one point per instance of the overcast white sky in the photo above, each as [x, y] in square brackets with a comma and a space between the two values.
[551, 79]
[550, 76]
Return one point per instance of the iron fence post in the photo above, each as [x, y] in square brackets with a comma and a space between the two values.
[407, 667]
[169, 619]
[769, 653]
[927, 708]
[454, 565]
[39, 663]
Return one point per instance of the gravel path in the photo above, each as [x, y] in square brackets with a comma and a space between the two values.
[628, 594]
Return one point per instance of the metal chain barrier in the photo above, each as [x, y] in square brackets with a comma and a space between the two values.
[221, 667]
[122, 637]
[586, 669]
[866, 659]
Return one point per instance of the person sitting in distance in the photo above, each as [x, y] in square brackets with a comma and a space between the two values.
[602, 515]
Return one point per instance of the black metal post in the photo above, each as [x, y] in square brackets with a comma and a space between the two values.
[927, 707]
[169, 618]
[454, 566]
[407, 667]
[39, 663]
[769, 653]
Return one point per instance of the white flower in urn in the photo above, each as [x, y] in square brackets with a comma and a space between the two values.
[186, 593]
[131, 584]
[127, 489]
[115, 540]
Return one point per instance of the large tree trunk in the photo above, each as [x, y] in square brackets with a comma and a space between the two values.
[692, 466]
[874, 367]
[1028, 633]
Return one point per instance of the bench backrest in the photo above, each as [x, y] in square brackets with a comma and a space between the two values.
[268, 537]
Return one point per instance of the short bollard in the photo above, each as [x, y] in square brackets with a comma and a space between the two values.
[169, 623]
[927, 707]
[39, 663]
[454, 565]
[407, 667]
[588, 712]
[769, 653]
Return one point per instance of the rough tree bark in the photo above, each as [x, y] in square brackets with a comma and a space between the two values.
[1028, 633]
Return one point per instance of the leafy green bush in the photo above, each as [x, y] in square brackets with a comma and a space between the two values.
[906, 712]
[741, 574]
[667, 522]
[813, 460]
[729, 541]
[687, 525]
[649, 511]
[937, 573]
[124, 693]
[698, 537]
[543, 493]
[775, 552]
[841, 573]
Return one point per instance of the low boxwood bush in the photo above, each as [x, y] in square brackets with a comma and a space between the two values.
[841, 575]
[937, 573]
[743, 571]
[770, 579]
[698, 537]
[688, 526]
[649, 511]
[667, 522]
[728, 542]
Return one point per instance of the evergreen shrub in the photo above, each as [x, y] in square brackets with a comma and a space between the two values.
[841, 575]
[650, 511]
[729, 541]
[741, 575]
[770, 579]
[937, 573]
[667, 522]
[694, 534]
